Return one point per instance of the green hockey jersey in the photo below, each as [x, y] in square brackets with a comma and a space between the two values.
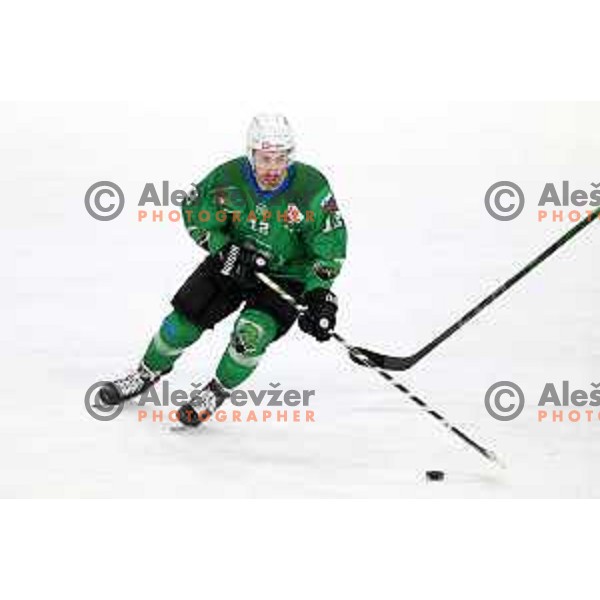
[298, 226]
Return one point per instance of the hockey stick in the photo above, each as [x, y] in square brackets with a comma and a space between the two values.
[402, 363]
[364, 360]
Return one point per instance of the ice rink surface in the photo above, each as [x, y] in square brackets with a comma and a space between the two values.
[82, 298]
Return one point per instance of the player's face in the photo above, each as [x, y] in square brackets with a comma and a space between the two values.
[270, 168]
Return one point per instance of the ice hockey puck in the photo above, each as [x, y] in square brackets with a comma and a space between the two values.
[435, 475]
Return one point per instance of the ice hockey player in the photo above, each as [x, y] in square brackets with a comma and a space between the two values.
[266, 212]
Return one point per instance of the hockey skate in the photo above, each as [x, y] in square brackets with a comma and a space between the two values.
[204, 404]
[130, 386]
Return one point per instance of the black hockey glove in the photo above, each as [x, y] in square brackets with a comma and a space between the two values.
[240, 264]
[318, 319]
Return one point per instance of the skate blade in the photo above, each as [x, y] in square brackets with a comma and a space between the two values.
[125, 404]
[102, 405]
[185, 429]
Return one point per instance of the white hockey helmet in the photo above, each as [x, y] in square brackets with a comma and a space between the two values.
[270, 132]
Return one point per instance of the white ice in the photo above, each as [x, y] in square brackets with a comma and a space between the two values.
[82, 298]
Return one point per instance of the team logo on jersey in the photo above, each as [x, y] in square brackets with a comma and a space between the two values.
[293, 215]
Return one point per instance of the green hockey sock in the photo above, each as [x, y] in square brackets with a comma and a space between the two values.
[175, 334]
